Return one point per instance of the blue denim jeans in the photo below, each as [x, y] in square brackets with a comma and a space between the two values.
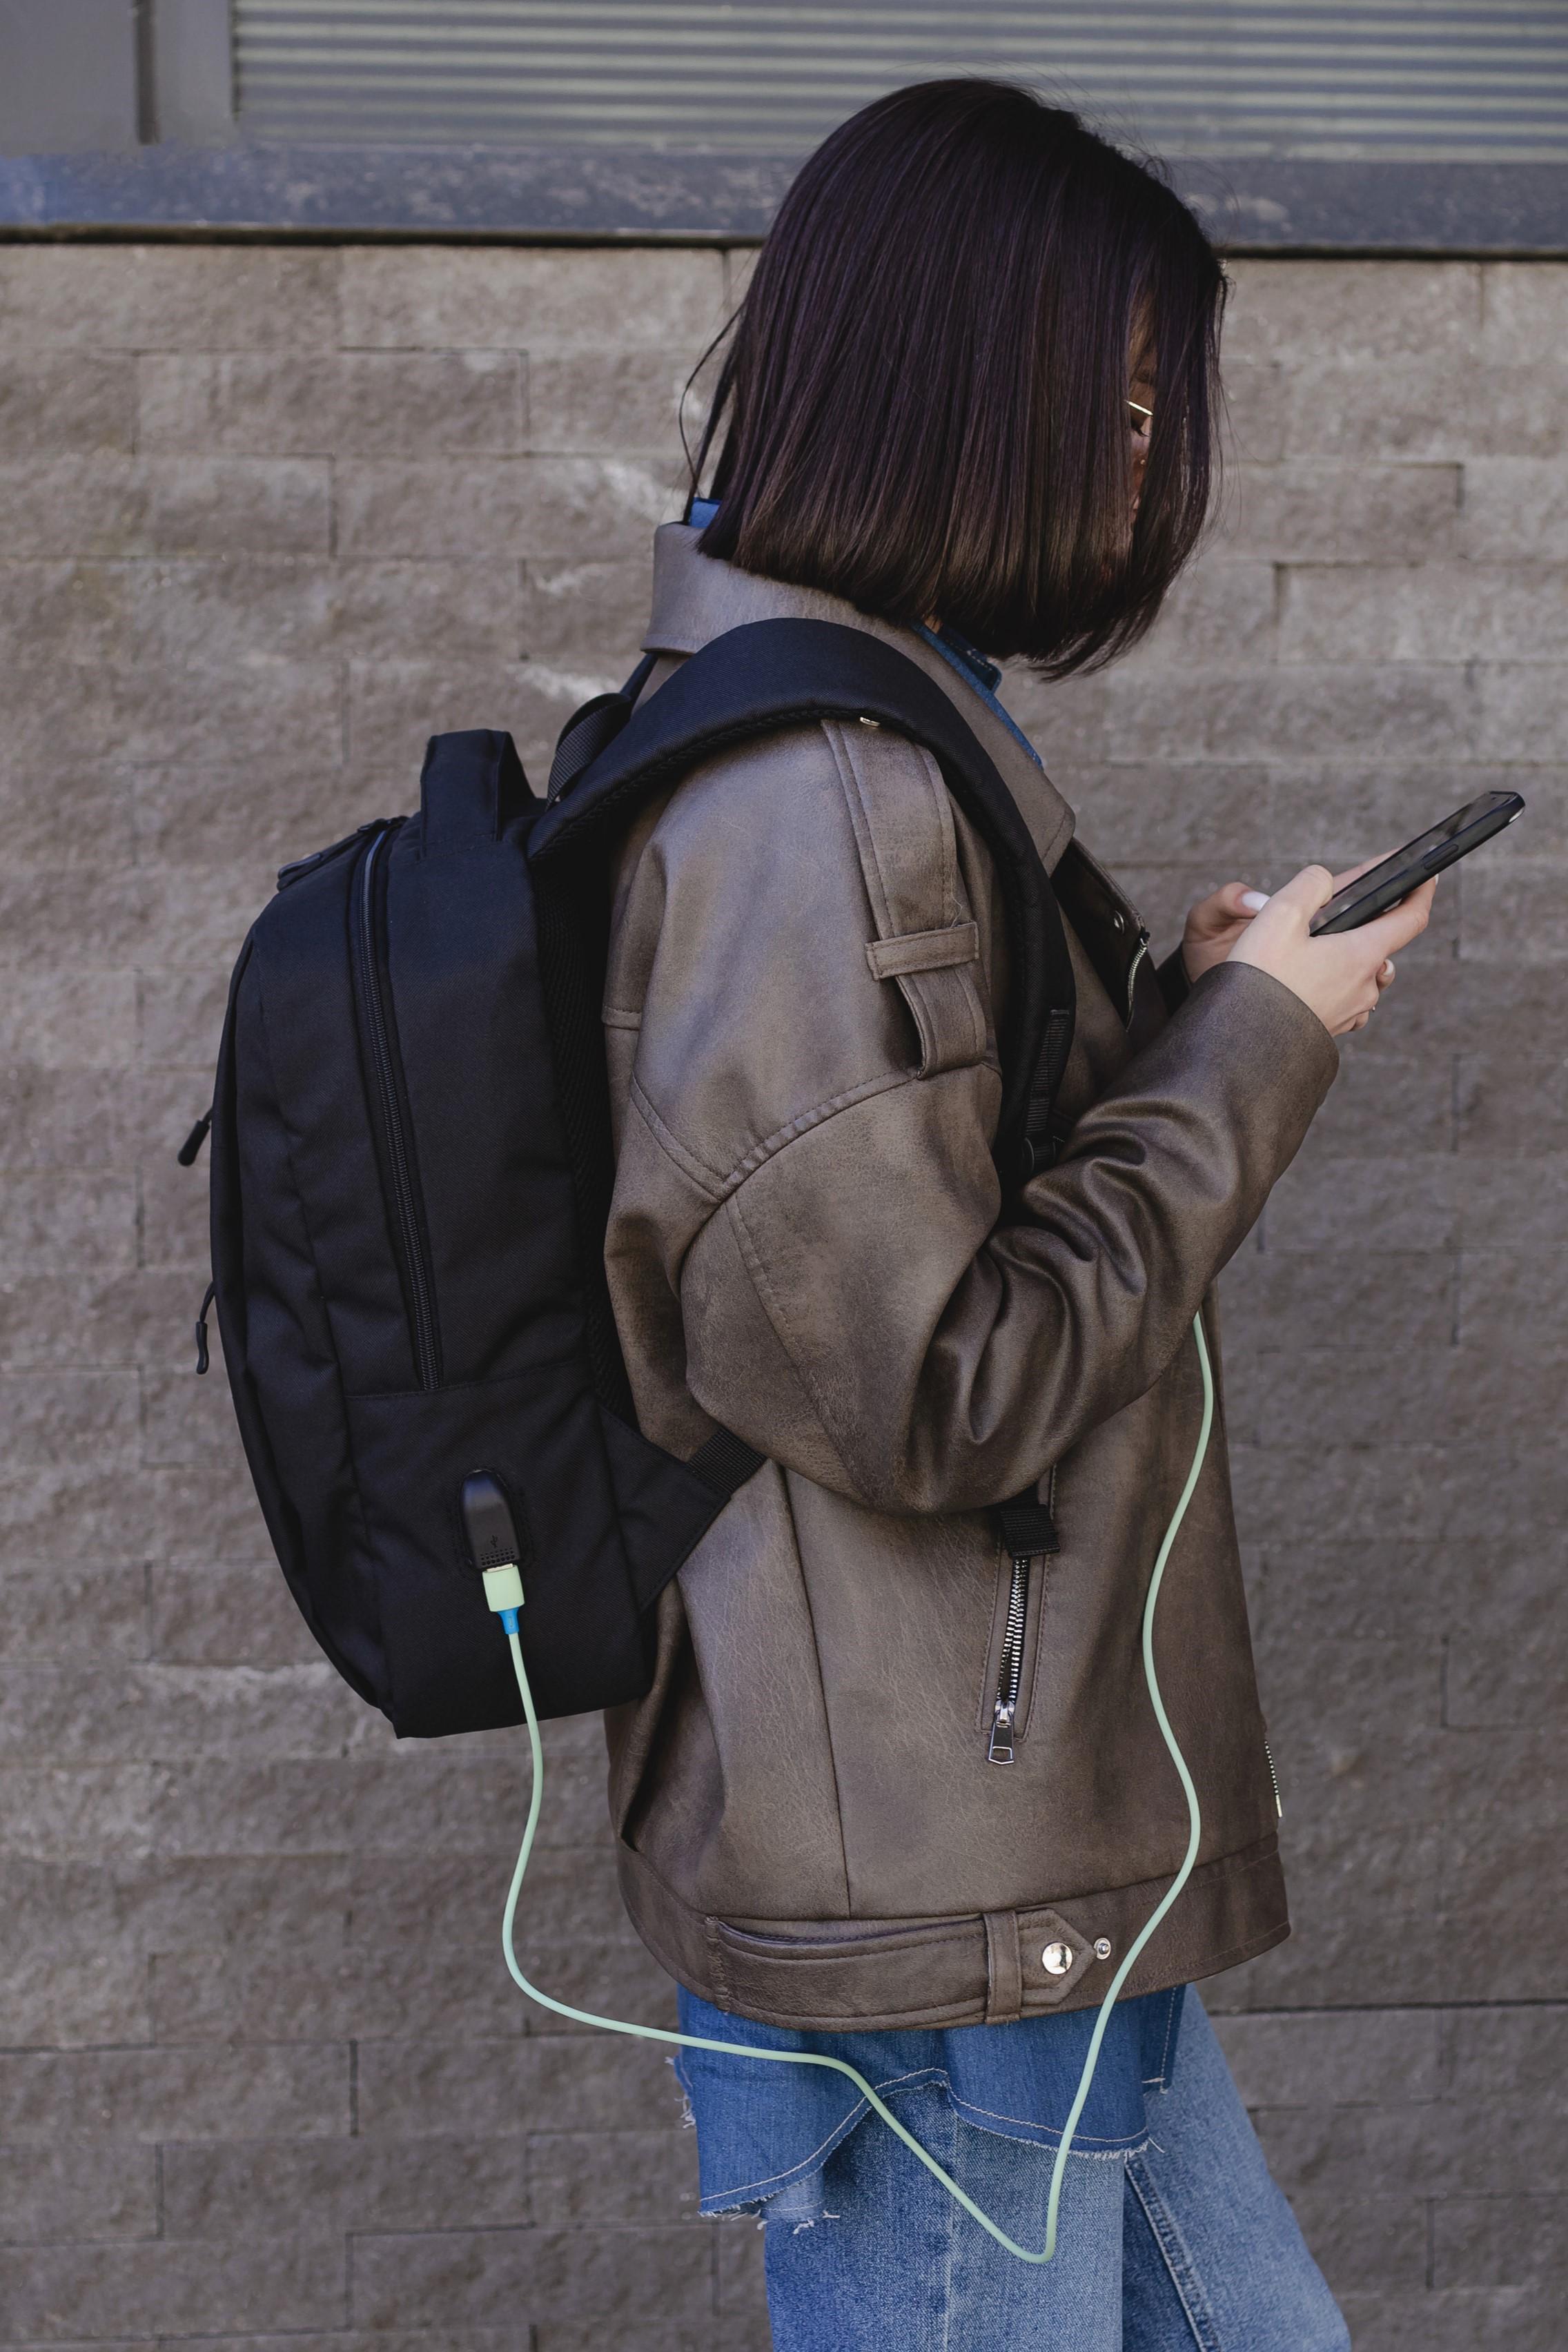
[1186, 2243]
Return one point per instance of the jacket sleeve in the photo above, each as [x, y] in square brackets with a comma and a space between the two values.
[808, 1141]
[1175, 986]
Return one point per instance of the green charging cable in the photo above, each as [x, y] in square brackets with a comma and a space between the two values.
[504, 1588]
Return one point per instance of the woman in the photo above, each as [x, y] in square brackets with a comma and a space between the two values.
[895, 1796]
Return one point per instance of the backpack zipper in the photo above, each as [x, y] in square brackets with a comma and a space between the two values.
[399, 1145]
[297, 867]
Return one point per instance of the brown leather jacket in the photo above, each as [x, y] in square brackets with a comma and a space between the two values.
[806, 960]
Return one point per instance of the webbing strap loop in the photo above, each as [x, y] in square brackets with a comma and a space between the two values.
[725, 1462]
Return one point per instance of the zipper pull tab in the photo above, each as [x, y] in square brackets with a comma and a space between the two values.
[999, 1748]
[203, 1358]
[1140, 950]
[186, 1154]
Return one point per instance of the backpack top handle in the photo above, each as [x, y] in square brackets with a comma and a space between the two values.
[472, 788]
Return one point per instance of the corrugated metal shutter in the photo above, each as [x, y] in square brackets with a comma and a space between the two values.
[1421, 79]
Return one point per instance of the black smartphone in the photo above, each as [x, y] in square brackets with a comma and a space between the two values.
[1381, 886]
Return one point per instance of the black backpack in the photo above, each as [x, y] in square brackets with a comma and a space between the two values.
[411, 1179]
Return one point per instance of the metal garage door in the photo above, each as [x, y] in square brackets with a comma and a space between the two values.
[1418, 79]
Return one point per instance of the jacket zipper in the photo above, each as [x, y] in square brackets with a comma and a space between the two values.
[1274, 1781]
[1138, 952]
[1010, 1673]
[400, 1153]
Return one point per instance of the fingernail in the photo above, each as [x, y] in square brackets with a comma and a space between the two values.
[1253, 899]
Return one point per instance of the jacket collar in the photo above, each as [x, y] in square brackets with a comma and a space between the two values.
[696, 599]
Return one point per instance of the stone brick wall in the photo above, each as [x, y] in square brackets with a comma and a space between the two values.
[269, 517]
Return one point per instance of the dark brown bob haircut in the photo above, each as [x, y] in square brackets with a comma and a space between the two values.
[923, 406]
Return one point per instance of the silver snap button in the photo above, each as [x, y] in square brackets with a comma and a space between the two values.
[1118, 922]
[1102, 1948]
[1057, 1960]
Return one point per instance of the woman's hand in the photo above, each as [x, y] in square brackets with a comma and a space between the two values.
[1215, 924]
[1342, 974]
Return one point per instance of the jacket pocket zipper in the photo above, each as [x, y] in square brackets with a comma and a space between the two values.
[1274, 1781]
[1138, 952]
[411, 1233]
[1000, 1741]
[1010, 1674]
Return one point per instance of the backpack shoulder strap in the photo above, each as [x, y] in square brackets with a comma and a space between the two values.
[769, 675]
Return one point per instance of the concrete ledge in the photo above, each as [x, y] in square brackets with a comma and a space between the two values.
[564, 194]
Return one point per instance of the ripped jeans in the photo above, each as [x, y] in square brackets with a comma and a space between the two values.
[1181, 2241]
